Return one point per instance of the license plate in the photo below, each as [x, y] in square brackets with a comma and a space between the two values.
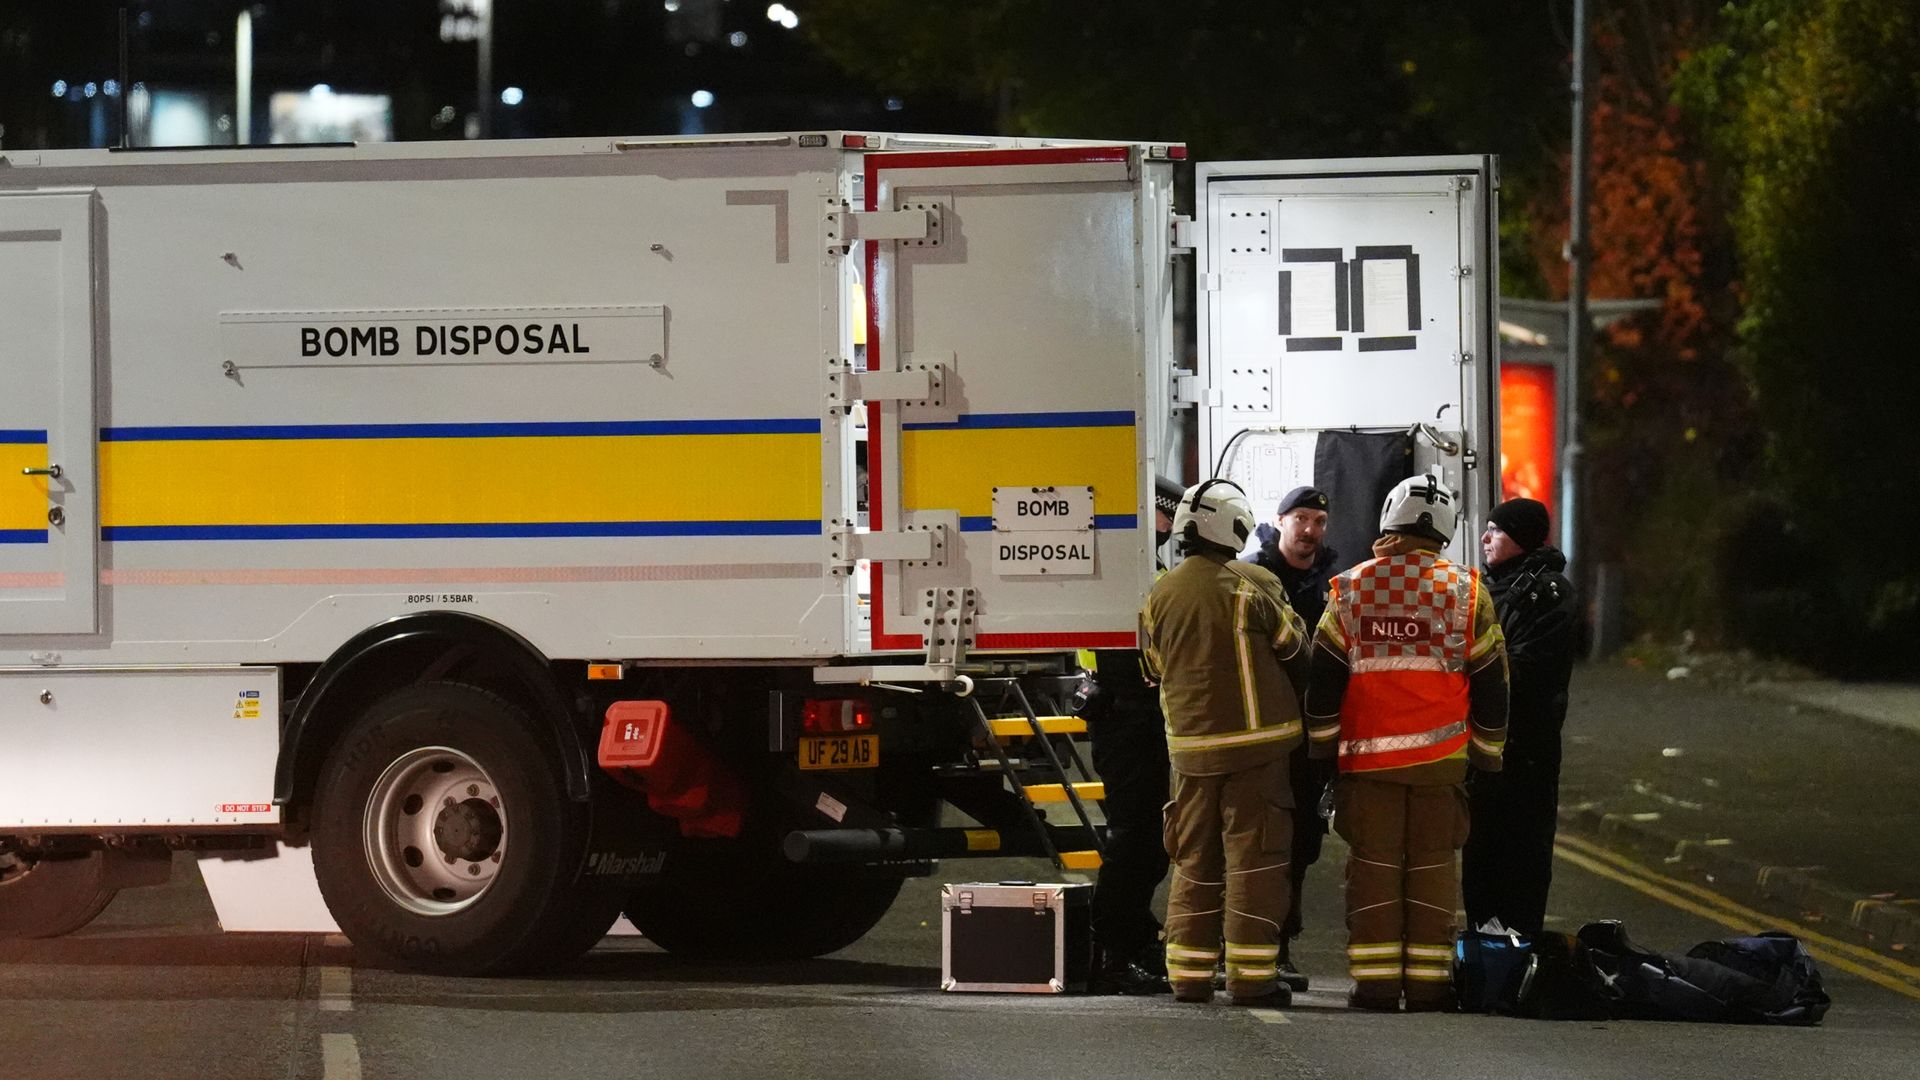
[840, 752]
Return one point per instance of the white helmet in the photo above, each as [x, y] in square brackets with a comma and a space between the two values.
[1421, 506]
[1217, 512]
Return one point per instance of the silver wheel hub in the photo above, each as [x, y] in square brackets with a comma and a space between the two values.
[435, 831]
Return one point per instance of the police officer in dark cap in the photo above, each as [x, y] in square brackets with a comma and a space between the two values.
[1129, 736]
[1508, 861]
[1294, 548]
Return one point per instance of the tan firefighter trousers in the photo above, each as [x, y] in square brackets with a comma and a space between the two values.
[1402, 889]
[1228, 837]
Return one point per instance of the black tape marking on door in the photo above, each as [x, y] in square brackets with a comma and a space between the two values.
[1349, 298]
[1402, 253]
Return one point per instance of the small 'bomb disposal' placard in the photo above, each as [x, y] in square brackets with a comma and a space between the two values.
[1043, 531]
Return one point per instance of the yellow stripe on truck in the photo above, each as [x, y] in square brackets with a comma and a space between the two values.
[215, 482]
[23, 499]
[957, 468]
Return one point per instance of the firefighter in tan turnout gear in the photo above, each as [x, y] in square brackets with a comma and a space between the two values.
[1410, 685]
[1230, 655]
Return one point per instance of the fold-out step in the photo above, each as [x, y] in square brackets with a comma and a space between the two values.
[1013, 727]
[1052, 793]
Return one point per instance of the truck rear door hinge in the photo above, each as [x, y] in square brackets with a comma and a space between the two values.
[923, 544]
[919, 224]
[1183, 235]
[1188, 389]
[915, 384]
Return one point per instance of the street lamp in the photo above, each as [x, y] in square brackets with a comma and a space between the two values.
[472, 20]
[1579, 331]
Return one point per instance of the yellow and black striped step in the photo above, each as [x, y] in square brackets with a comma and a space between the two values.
[1080, 860]
[1013, 727]
[1094, 790]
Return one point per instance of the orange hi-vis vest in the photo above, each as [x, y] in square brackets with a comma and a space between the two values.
[1408, 621]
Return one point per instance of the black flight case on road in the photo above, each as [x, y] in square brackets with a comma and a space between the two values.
[1016, 937]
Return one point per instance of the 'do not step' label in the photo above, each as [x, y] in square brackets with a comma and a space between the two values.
[1043, 531]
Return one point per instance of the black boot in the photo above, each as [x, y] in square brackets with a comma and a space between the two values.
[1289, 974]
[1134, 973]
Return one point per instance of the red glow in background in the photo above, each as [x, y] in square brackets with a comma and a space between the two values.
[1527, 412]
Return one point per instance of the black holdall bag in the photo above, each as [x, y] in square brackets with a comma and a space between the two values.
[1771, 977]
[1600, 973]
[1561, 982]
[1766, 978]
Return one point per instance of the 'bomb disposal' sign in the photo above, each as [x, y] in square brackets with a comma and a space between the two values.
[631, 333]
[1043, 530]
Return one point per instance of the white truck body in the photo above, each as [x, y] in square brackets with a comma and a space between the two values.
[606, 395]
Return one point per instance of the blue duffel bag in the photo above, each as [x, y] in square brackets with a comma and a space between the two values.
[1488, 969]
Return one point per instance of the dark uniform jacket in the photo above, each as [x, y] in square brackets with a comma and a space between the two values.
[1306, 589]
[1535, 603]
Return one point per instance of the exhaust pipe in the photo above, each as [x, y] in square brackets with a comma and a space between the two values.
[875, 845]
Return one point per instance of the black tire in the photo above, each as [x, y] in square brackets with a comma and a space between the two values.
[783, 913]
[387, 872]
[53, 896]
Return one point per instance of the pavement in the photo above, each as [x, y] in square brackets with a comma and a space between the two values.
[153, 991]
[1799, 796]
[1891, 705]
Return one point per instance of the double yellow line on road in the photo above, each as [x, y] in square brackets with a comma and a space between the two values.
[1880, 970]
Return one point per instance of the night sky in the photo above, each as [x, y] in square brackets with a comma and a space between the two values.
[598, 67]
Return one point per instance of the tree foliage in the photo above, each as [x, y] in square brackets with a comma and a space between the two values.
[1812, 109]
[1668, 430]
[1752, 164]
[1234, 79]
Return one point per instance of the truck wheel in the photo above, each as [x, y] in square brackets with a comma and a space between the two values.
[48, 897]
[791, 913]
[444, 841]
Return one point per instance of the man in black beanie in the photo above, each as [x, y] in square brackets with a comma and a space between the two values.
[1509, 854]
[1295, 549]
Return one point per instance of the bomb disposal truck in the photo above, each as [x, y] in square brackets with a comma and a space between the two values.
[504, 536]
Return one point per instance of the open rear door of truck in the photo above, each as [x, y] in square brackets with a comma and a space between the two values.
[1018, 293]
[1347, 330]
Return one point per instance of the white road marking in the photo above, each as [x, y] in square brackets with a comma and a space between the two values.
[336, 989]
[336, 982]
[340, 1057]
[1270, 1016]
